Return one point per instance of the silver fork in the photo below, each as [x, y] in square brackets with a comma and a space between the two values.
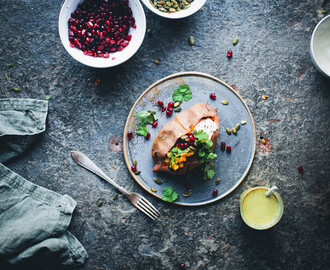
[137, 200]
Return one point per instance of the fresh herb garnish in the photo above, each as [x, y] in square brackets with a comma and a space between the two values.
[169, 194]
[47, 97]
[182, 93]
[205, 153]
[144, 119]
[10, 65]
[7, 78]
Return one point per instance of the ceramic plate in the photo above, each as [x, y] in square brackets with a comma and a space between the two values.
[231, 168]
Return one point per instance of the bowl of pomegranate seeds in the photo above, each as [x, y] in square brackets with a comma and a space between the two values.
[102, 33]
[174, 9]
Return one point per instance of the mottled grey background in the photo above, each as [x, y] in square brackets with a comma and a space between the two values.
[272, 57]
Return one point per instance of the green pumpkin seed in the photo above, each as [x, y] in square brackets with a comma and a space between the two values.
[187, 193]
[225, 102]
[192, 148]
[191, 41]
[115, 196]
[154, 190]
[156, 62]
[177, 104]
[149, 31]
[134, 162]
[158, 181]
[178, 109]
[263, 141]
[99, 203]
[243, 122]
[238, 126]
[217, 182]
[184, 137]
[234, 130]
[228, 131]
[235, 40]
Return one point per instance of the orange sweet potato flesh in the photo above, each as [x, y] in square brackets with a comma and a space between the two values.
[182, 124]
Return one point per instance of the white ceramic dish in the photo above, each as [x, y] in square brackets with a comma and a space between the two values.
[115, 58]
[320, 46]
[194, 7]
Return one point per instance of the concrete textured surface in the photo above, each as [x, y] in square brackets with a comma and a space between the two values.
[272, 57]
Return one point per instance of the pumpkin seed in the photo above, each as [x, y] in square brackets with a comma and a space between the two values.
[238, 126]
[263, 141]
[115, 196]
[187, 193]
[149, 31]
[191, 41]
[134, 162]
[178, 109]
[137, 172]
[217, 182]
[154, 190]
[192, 148]
[184, 137]
[228, 131]
[99, 203]
[264, 97]
[225, 102]
[156, 62]
[243, 122]
[177, 104]
[235, 40]
[158, 181]
[234, 130]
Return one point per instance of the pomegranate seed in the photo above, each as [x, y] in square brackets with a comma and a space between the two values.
[182, 146]
[106, 55]
[147, 136]
[223, 146]
[169, 113]
[300, 169]
[160, 103]
[229, 54]
[163, 109]
[130, 135]
[191, 138]
[186, 145]
[178, 145]
[182, 266]
[213, 96]
[134, 26]
[133, 168]
[171, 104]
[120, 48]
[155, 124]
[228, 149]
[215, 192]
[129, 37]
[170, 109]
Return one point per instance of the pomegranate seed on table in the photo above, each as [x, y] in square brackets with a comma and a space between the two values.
[182, 266]
[170, 109]
[223, 146]
[178, 145]
[129, 135]
[215, 192]
[228, 149]
[133, 168]
[229, 54]
[171, 104]
[169, 113]
[213, 96]
[163, 109]
[300, 169]
[160, 103]
[155, 124]
[147, 136]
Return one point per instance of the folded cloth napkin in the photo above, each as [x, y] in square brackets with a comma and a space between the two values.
[33, 220]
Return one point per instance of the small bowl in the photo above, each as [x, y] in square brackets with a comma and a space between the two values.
[320, 46]
[194, 7]
[115, 58]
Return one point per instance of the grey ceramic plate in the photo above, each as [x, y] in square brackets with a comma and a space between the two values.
[230, 168]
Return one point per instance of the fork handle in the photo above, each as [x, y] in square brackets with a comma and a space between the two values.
[85, 162]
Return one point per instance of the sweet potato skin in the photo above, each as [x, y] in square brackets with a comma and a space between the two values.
[182, 124]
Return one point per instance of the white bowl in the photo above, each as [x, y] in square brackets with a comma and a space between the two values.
[115, 58]
[194, 7]
[320, 46]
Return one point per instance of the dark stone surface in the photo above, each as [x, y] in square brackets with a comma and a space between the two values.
[272, 57]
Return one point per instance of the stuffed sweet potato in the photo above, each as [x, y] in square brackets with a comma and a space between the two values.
[187, 141]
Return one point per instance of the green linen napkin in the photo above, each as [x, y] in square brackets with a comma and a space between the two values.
[33, 220]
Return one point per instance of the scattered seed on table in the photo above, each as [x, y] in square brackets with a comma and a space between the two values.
[217, 182]
[115, 196]
[178, 109]
[154, 190]
[134, 162]
[238, 126]
[263, 141]
[156, 62]
[234, 130]
[225, 102]
[264, 97]
[15, 89]
[158, 181]
[235, 40]
[243, 122]
[177, 104]
[228, 131]
[99, 203]
[149, 32]
[191, 41]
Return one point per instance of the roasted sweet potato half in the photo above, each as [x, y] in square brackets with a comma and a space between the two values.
[178, 135]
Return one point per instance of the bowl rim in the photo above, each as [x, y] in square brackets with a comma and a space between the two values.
[198, 4]
[111, 62]
[312, 47]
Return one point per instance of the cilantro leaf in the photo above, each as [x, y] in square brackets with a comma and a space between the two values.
[211, 156]
[145, 117]
[209, 171]
[182, 93]
[169, 194]
[142, 130]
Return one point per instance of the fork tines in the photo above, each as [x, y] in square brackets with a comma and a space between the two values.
[146, 207]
